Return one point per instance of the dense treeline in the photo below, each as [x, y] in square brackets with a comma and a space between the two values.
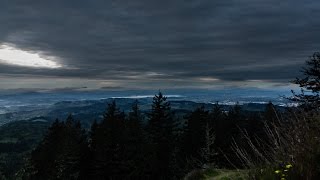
[155, 145]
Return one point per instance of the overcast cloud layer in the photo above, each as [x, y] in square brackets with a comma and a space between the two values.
[159, 44]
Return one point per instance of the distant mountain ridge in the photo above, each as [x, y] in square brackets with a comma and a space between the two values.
[88, 110]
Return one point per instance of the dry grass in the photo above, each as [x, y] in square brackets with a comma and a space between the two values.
[293, 138]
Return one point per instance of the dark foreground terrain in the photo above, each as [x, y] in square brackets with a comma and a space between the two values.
[125, 138]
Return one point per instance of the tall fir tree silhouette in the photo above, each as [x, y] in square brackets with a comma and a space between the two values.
[195, 136]
[108, 146]
[160, 128]
[136, 144]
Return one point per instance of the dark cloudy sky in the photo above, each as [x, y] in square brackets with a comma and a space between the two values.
[152, 44]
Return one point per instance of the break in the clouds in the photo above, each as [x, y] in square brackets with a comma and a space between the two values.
[13, 56]
[155, 44]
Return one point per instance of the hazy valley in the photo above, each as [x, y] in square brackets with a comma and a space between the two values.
[87, 106]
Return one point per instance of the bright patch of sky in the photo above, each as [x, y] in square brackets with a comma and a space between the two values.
[13, 56]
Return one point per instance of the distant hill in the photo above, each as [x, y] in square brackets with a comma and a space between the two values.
[88, 110]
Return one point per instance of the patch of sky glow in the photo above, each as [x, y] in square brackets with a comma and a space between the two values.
[154, 74]
[13, 56]
[208, 79]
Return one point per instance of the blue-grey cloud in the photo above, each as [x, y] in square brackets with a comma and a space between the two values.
[163, 41]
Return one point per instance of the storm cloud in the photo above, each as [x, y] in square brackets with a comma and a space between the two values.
[155, 44]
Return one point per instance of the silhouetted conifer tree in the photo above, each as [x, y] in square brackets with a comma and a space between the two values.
[271, 114]
[216, 115]
[61, 153]
[310, 84]
[218, 121]
[136, 144]
[108, 146]
[195, 136]
[160, 128]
